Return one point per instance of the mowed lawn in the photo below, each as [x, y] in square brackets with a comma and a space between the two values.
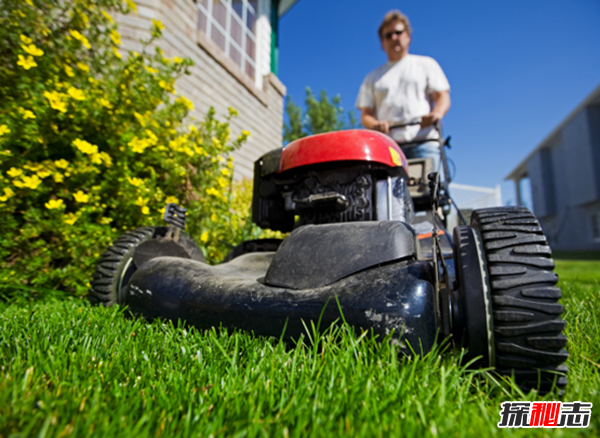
[69, 369]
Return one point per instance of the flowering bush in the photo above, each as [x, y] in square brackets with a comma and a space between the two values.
[93, 142]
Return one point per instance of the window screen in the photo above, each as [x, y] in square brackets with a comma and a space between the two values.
[231, 24]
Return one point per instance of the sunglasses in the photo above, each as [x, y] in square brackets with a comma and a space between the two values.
[389, 35]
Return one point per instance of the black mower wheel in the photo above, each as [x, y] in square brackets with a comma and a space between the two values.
[514, 321]
[116, 265]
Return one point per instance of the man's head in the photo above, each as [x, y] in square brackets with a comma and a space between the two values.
[394, 33]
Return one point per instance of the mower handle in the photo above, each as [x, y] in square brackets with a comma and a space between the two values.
[394, 125]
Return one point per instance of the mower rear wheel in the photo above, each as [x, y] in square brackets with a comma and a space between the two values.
[116, 265]
[526, 329]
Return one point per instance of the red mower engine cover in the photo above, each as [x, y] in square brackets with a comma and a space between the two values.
[350, 145]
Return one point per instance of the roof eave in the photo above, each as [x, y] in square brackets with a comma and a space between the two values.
[284, 6]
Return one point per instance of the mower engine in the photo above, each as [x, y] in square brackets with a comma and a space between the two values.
[336, 183]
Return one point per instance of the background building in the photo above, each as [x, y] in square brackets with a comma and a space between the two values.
[233, 44]
[469, 198]
[564, 173]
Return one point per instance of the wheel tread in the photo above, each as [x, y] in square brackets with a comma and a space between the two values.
[528, 328]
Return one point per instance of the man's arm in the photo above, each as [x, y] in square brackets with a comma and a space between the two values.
[441, 105]
[369, 121]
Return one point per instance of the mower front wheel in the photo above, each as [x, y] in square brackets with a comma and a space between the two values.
[506, 306]
[116, 265]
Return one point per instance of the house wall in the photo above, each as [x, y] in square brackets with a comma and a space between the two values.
[565, 180]
[215, 79]
[579, 162]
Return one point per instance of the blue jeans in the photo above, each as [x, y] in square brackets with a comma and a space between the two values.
[428, 149]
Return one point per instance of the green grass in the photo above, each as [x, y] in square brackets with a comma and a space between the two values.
[69, 369]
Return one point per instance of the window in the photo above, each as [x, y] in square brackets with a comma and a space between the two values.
[595, 225]
[231, 25]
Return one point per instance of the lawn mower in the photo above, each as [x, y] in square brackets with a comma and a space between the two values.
[367, 245]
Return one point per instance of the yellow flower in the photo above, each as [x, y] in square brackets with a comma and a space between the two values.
[70, 218]
[85, 147]
[105, 103]
[69, 71]
[31, 182]
[212, 191]
[214, 217]
[96, 158]
[33, 167]
[44, 173]
[136, 182]
[232, 111]
[26, 63]
[81, 197]
[204, 237]
[75, 34]
[27, 114]
[172, 200]
[145, 210]
[107, 16]
[139, 145]
[140, 119]
[58, 177]
[115, 37]
[55, 100]
[116, 52]
[14, 172]
[188, 103]
[246, 133]
[157, 24]
[32, 50]
[222, 182]
[76, 93]
[29, 2]
[150, 69]
[4, 130]
[25, 39]
[62, 163]
[106, 158]
[8, 193]
[225, 172]
[177, 60]
[83, 66]
[53, 204]
[131, 5]
[141, 201]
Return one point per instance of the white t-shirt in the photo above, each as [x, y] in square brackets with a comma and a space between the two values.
[399, 92]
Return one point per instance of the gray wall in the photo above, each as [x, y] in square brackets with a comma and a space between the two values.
[565, 182]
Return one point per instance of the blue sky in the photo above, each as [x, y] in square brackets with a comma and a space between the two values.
[516, 68]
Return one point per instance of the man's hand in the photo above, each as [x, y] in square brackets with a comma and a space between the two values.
[382, 126]
[368, 120]
[431, 119]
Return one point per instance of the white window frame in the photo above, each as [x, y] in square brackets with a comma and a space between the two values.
[229, 41]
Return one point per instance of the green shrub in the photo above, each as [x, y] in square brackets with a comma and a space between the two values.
[94, 142]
